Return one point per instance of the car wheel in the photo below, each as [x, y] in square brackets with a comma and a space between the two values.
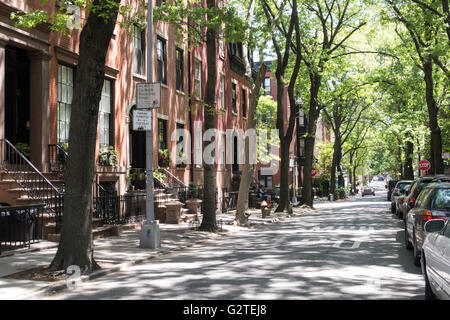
[374, 193]
[408, 243]
[416, 252]
[400, 214]
[429, 294]
[392, 208]
[362, 195]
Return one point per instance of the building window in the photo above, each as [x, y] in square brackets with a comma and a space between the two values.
[198, 79]
[221, 45]
[139, 50]
[302, 147]
[180, 69]
[162, 134]
[233, 97]
[265, 181]
[106, 118]
[161, 56]
[266, 86]
[65, 94]
[244, 102]
[222, 91]
[222, 159]
[301, 118]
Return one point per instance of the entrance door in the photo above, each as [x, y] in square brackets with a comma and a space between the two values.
[17, 96]
[138, 147]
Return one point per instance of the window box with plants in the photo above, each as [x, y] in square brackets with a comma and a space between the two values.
[108, 157]
[164, 158]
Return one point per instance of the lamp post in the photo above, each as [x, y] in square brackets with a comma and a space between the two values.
[150, 236]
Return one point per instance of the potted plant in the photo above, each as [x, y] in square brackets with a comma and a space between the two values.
[137, 179]
[62, 154]
[163, 158]
[23, 148]
[108, 157]
[181, 159]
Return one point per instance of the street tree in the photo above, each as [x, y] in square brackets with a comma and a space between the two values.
[76, 242]
[423, 33]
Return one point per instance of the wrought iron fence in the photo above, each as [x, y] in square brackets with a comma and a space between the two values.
[113, 209]
[20, 226]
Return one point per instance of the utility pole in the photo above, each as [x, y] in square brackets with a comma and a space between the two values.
[150, 235]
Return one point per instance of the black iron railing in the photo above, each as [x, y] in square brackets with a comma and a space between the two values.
[114, 209]
[57, 159]
[31, 180]
[20, 226]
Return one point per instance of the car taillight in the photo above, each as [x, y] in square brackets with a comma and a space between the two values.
[426, 216]
[412, 200]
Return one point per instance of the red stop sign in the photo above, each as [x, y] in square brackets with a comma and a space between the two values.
[424, 165]
[313, 171]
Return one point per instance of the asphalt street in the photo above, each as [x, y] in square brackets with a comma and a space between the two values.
[349, 249]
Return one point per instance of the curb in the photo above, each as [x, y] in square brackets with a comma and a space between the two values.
[62, 284]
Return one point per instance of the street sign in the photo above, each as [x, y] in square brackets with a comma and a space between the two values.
[142, 120]
[148, 95]
[313, 171]
[424, 165]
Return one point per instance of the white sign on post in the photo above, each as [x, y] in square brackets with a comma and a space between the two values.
[148, 95]
[142, 120]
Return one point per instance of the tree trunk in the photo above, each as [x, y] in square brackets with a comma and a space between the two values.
[209, 170]
[284, 174]
[335, 163]
[408, 167]
[247, 174]
[307, 196]
[76, 243]
[437, 164]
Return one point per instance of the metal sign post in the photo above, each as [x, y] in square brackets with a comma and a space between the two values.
[146, 96]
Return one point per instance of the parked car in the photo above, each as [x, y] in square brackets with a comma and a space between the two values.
[399, 201]
[412, 195]
[367, 190]
[398, 191]
[433, 203]
[441, 178]
[435, 259]
[390, 185]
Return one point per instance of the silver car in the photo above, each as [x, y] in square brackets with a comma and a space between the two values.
[435, 259]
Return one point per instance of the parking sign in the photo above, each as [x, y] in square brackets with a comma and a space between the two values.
[148, 95]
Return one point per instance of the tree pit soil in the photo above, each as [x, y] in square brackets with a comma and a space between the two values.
[42, 273]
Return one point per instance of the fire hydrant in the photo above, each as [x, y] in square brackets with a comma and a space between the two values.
[265, 209]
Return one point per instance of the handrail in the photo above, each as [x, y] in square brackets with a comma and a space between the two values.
[34, 169]
[173, 177]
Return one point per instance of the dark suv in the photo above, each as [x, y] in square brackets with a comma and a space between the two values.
[390, 186]
[413, 193]
[432, 203]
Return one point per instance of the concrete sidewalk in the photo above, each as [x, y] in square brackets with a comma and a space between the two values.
[114, 253]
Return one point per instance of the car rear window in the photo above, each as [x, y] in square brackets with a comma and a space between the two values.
[422, 184]
[441, 199]
[403, 185]
[422, 199]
